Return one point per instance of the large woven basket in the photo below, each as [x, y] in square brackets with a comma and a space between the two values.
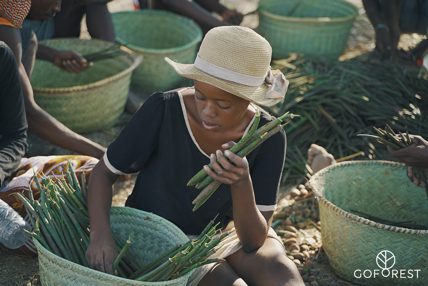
[156, 35]
[313, 27]
[151, 236]
[86, 101]
[356, 246]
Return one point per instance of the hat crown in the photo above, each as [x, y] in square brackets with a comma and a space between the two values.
[237, 49]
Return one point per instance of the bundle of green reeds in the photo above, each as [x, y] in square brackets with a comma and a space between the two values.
[339, 100]
[61, 225]
[245, 146]
[106, 53]
[389, 137]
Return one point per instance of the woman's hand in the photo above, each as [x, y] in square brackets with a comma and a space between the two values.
[101, 253]
[225, 172]
[415, 177]
[232, 16]
[70, 61]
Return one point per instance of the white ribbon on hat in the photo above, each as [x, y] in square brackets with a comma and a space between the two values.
[278, 85]
[274, 79]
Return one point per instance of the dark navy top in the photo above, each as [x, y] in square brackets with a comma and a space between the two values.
[158, 143]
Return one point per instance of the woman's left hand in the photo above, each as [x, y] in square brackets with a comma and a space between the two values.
[225, 172]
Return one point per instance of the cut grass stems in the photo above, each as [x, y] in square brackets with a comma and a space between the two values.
[61, 225]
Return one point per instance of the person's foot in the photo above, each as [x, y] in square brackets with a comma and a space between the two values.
[319, 158]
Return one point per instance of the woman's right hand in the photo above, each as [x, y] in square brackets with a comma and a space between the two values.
[101, 253]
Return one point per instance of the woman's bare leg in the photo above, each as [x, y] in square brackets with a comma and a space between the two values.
[268, 265]
[222, 275]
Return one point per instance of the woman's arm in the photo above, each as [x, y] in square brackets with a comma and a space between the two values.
[39, 121]
[102, 251]
[193, 11]
[64, 59]
[251, 225]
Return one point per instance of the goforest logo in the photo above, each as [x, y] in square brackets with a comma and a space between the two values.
[385, 260]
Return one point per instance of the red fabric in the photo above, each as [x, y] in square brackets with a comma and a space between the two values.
[15, 11]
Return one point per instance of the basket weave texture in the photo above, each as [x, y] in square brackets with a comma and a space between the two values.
[316, 28]
[156, 35]
[380, 189]
[151, 236]
[86, 101]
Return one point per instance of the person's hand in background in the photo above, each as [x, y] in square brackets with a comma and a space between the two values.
[70, 61]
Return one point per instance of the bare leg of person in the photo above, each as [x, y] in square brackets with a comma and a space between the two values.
[392, 12]
[99, 22]
[222, 275]
[67, 21]
[30, 55]
[268, 265]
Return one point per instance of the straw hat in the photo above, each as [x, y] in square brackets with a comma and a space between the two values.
[236, 59]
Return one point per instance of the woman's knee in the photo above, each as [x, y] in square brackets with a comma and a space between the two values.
[222, 274]
[277, 268]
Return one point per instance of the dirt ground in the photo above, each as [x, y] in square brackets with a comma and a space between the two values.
[15, 270]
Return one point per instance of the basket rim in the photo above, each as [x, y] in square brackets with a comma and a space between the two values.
[356, 218]
[74, 266]
[162, 51]
[313, 20]
[57, 90]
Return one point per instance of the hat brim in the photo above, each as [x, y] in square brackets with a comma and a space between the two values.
[255, 94]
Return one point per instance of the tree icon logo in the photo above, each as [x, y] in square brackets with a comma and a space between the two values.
[385, 259]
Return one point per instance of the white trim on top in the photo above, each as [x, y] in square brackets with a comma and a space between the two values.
[110, 166]
[266, 208]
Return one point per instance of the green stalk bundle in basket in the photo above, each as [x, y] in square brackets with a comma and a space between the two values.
[388, 137]
[61, 225]
[245, 146]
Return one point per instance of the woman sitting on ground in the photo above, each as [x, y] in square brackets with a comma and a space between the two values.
[174, 134]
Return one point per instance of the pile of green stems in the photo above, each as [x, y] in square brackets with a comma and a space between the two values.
[61, 225]
[110, 52]
[339, 100]
[184, 257]
[389, 137]
[246, 145]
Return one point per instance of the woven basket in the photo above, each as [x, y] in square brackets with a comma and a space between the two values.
[316, 27]
[380, 189]
[156, 35]
[86, 101]
[151, 236]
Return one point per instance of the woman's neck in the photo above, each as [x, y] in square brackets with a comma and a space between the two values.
[210, 141]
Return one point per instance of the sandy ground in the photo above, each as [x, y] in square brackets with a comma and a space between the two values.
[16, 270]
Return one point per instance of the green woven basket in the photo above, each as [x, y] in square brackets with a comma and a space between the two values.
[315, 27]
[87, 101]
[356, 246]
[151, 236]
[156, 35]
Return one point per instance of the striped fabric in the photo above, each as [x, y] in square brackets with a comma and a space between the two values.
[14, 11]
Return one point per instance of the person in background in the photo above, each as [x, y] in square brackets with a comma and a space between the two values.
[13, 125]
[100, 26]
[415, 155]
[98, 19]
[199, 11]
[391, 18]
[39, 121]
